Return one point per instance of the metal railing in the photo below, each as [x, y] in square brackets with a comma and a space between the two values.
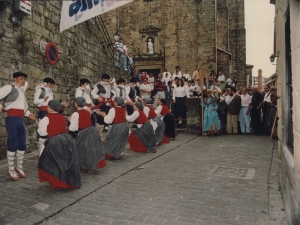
[121, 61]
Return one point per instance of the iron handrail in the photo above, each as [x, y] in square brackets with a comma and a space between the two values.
[122, 64]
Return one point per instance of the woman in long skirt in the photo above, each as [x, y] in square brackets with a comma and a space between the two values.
[160, 129]
[116, 140]
[211, 119]
[141, 139]
[168, 119]
[180, 94]
[88, 143]
[58, 163]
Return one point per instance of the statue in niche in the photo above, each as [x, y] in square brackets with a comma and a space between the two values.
[150, 46]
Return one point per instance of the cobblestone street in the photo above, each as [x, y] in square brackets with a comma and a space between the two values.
[192, 180]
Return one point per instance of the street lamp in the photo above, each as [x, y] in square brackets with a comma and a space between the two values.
[116, 36]
[272, 58]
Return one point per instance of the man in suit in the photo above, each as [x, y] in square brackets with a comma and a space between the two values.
[234, 108]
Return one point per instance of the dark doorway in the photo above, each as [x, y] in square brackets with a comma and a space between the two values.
[155, 72]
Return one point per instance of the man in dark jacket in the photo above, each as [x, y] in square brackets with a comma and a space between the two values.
[234, 108]
[256, 105]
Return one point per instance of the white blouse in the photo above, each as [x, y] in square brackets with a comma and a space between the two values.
[180, 92]
[158, 110]
[146, 111]
[43, 124]
[133, 116]
[74, 122]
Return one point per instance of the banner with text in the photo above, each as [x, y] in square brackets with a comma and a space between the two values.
[78, 11]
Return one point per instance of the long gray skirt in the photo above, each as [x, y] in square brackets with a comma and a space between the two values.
[116, 140]
[58, 163]
[90, 148]
[146, 135]
[160, 130]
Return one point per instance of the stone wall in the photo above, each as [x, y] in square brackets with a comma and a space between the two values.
[237, 37]
[207, 30]
[190, 32]
[289, 169]
[224, 62]
[222, 28]
[81, 55]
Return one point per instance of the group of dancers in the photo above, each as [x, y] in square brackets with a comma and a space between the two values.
[64, 152]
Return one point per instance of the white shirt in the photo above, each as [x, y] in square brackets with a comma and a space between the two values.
[197, 87]
[158, 110]
[40, 102]
[179, 75]
[232, 98]
[187, 76]
[146, 87]
[43, 124]
[151, 80]
[119, 89]
[228, 99]
[229, 81]
[127, 98]
[191, 88]
[180, 92]
[267, 97]
[246, 100]
[212, 87]
[19, 103]
[166, 79]
[74, 122]
[146, 111]
[133, 116]
[221, 78]
[125, 49]
[107, 88]
[81, 92]
[168, 75]
[109, 118]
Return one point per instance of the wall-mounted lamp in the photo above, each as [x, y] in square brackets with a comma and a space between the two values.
[272, 58]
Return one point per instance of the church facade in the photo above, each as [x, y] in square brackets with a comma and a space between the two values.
[165, 34]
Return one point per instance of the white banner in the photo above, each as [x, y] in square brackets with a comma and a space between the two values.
[75, 12]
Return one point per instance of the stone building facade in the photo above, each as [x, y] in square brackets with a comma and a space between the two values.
[208, 33]
[81, 56]
[287, 45]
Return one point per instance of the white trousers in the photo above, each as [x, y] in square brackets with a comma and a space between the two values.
[159, 95]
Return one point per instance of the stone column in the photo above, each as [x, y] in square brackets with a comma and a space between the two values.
[194, 116]
[260, 80]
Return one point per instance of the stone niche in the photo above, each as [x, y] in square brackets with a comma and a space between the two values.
[149, 56]
[149, 33]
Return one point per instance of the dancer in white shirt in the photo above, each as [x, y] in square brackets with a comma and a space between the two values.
[17, 107]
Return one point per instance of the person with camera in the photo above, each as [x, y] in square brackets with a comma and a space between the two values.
[159, 87]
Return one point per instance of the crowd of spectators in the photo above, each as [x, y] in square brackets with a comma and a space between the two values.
[228, 108]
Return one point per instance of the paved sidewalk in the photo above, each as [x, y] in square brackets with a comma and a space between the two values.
[192, 180]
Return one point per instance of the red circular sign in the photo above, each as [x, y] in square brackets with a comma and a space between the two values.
[51, 53]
